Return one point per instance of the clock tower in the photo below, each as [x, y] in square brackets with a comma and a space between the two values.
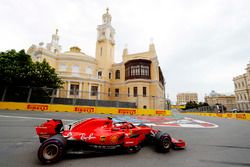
[105, 45]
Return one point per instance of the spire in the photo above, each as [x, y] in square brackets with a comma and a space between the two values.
[125, 50]
[54, 46]
[105, 31]
[151, 45]
[106, 18]
[55, 37]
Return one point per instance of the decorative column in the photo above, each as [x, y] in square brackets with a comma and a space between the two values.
[98, 91]
[80, 89]
[68, 90]
[89, 90]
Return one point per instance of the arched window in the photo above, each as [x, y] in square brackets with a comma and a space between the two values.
[110, 75]
[89, 70]
[75, 70]
[117, 74]
[62, 67]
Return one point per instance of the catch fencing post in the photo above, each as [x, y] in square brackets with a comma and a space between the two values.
[29, 94]
[52, 97]
[4, 93]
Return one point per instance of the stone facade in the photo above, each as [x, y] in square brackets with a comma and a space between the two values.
[216, 98]
[183, 98]
[242, 90]
[138, 78]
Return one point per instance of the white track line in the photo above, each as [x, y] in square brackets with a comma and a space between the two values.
[21, 117]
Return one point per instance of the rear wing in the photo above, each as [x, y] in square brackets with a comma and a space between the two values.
[49, 128]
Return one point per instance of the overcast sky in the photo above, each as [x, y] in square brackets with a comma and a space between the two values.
[201, 44]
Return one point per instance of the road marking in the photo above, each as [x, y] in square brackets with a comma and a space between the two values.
[185, 122]
[21, 117]
[182, 122]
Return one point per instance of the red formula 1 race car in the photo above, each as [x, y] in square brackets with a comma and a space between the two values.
[98, 135]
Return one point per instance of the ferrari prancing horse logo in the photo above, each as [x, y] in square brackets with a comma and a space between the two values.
[102, 139]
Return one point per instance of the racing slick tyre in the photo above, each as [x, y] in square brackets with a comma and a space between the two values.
[142, 124]
[52, 150]
[163, 142]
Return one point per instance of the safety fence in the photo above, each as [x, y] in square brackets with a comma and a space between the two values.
[240, 116]
[215, 109]
[81, 109]
[76, 97]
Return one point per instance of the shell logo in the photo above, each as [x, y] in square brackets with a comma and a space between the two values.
[113, 139]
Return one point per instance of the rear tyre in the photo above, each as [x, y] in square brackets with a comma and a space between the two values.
[163, 142]
[52, 150]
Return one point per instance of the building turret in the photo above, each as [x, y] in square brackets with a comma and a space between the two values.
[105, 45]
[54, 45]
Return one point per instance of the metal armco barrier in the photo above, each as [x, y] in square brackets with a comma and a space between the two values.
[81, 109]
[240, 116]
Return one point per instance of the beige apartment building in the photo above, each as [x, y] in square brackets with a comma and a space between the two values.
[183, 98]
[138, 78]
[216, 98]
[242, 90]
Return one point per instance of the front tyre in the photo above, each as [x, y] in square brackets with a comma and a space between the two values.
[163, 142]
[52, 149]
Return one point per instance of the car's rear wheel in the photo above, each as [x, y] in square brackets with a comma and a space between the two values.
[52, 149]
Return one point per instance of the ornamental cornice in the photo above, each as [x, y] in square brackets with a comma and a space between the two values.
[76, 59]
[79, 79]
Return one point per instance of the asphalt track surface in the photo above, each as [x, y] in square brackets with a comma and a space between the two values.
[226, 145]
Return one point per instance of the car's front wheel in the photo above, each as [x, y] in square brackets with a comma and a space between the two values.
[163, 142]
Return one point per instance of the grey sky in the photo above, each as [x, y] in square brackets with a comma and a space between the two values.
[201, 44]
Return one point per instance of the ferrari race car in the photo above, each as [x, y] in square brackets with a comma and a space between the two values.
[98, 135]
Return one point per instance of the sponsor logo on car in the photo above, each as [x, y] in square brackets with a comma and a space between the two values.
[102, 139]
[84, 137]
[114, 139]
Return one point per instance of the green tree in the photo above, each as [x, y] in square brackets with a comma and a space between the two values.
[191, 105]
[17, 69]
[14, 67]
[43, 75]
[18, 73]
[201, 104]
